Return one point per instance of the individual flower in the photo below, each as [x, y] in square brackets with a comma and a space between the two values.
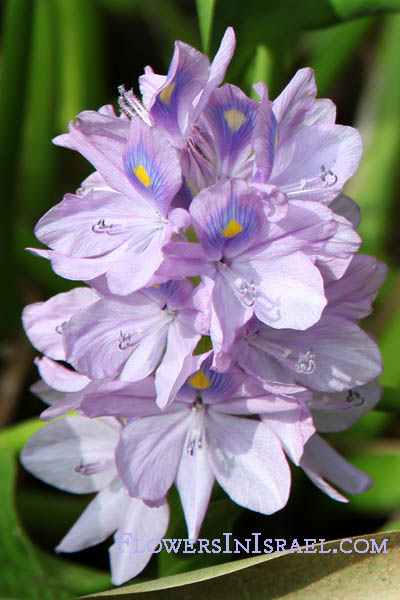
[252, 266]
[204, 435]
[76, 454]
[335, 354]
[129, 337]
[119, 230]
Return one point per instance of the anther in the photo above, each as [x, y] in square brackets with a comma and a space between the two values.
[131, 106]
[354, 398]
[60, 328]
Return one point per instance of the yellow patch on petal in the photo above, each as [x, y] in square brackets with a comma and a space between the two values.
[142, 175]
[166, 94]
[234, 118]
[232, 229]
[156, 285]
[199, 381]
[276, 140]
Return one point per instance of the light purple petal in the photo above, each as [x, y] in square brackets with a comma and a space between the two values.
[248, 462]
[321, 462]
[98, 521]
[173, 370]
[346, 207]
[228, 218]
[59, 377]
[194, 481]
[337, 412]
[218, 69]
[333, 355]
[46, 393]
[89, 227]
[293, 426]
[152, 165]
[293, 103]
[145, 357]
[44, 321]
[100, 340]
[228, 313]
[265, 138]
[306, 226]
[120, 399]
[136, 269]
[102, 140]
[149, 84]
[140, 522]
[288, 290]
[317, 162]
[228, 120]
[172, 106]
[149, 452]
[63, 451]
[296, 105]
[352, 295]
[185, 259]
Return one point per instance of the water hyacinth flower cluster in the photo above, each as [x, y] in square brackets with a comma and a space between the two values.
[217, 331]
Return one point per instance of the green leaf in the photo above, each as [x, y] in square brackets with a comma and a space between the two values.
[26, 572]
[38, 156]
[335, 574]
[272, 23]
[14, 59]
[80, 58]
[348, 9]
[381, 461]
[374, 184]
[205, 12]
[390, 401]
[259, 69]
[22, 575]
[389, 346]
[333, 48]
[13, 438]
[75, 578]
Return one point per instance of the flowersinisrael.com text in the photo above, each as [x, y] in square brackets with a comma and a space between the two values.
[255, 544]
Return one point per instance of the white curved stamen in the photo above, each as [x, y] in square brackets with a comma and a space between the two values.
[326, 179]
[247, 291]
[244, 290]
[102, 227]
[194, 440]
[131, 106]
[89, 469]
[157, 323]
[303, 363]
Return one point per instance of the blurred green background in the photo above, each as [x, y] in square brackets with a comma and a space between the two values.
[59, 57]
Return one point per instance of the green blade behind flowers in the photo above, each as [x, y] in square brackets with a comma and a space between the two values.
[15, 44]
[381, 460]
[333, 48]
[205, 13]
[25, 571]
[80, 58]
[379, 122]
[276, 22]
[22, 575]
[336, 573]
[38, 164]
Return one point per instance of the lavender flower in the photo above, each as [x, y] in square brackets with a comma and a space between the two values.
[76, 454]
